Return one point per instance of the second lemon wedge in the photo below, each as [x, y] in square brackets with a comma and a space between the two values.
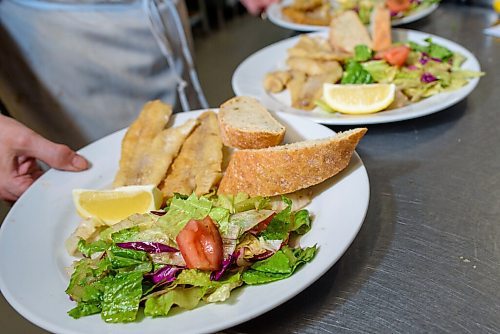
[112, 206]
[358, 99]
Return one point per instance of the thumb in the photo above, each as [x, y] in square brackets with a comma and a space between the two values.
[56, 155]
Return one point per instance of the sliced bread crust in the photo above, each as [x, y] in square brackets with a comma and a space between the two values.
[347, 31]
[288, 168]
[246, 124]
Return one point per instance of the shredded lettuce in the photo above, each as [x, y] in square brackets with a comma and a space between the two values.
[130, 269]
[279, 266]
[380, 70]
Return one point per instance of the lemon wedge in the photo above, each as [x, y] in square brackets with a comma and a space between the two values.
[112, 206]
[358, 99]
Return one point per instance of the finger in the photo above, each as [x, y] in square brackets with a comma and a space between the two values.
[27, 166]
[55, 155]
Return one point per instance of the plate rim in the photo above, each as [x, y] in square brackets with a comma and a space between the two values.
[376, 118]
[34, 318]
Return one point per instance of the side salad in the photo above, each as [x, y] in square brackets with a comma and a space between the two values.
[417, 70]
[398, 8]
[195, 249]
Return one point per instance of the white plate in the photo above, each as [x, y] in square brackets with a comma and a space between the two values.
[276, 16]
[249, 75]
[33, 257]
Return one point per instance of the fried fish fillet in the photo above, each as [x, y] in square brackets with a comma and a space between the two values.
[150, 122]
[313, 66]
[307, 4]
[316, 48]
[276, 81]
[158, 157]
[198, 167]
[311, 89]
[318, 16]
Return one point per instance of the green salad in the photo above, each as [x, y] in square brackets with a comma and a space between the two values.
[195, 249]
[417, 70]
[398, 8]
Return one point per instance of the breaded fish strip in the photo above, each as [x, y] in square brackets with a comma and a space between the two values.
[316, 48]
[198, 167]
[159, 155]
[318, 16]
[151, 121]
[276, 81]
[313, 66]
[311, 89]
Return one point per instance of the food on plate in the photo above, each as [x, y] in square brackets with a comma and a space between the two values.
[381, 29]
[322, 12]
[245, 123]
[355, 99]
[112, 206]
[316, 48]
[197, 249]
[350, 56]
[347, 31]
[202, 152]
[287, 168]
[150, 123]
[142, 247]
[310, 12]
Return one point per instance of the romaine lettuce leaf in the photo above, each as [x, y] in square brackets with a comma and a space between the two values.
[279, 266]
[181, 211]
[85, 282]
[362, 53]
[84, 309]
[301, 223]
[122, 294]
[89, 248]
[187, 298]
[355, 74]
[129, 259]
[279, 227]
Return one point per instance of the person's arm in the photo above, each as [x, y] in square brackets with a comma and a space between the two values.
[20, 147]
[257, 6]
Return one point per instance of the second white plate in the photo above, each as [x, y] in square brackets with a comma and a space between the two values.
[249, 76]
[275, 15]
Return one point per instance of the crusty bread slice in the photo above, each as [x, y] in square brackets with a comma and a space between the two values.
[381, 28]
[287, 168]
[347, 31]
[245, 123]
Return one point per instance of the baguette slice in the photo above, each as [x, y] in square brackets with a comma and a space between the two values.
[287, 168]
[347, 31]
[381, 28]
[245, 123]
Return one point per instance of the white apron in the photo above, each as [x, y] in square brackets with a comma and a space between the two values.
[75, 71]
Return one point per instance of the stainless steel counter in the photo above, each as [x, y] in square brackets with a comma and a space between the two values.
[427, 259]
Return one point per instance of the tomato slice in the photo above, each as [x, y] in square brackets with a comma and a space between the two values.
[397, 6]
[201, 244]
[395, 55]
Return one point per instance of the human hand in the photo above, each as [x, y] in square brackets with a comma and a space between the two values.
[255, 7]
[20, 147]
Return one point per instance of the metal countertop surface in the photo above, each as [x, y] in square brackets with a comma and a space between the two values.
[427, 258]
